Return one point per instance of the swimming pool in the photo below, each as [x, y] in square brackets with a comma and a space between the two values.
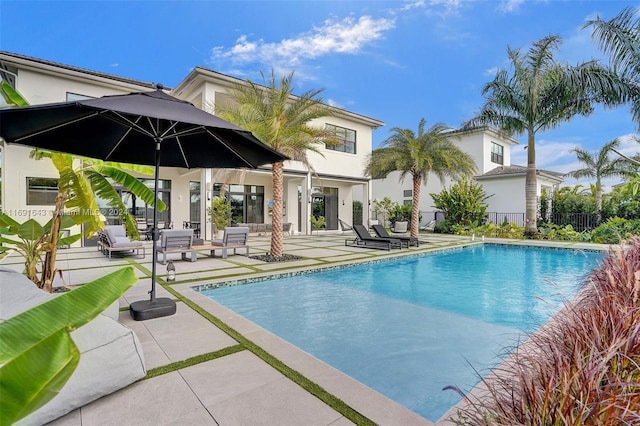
[409, 327]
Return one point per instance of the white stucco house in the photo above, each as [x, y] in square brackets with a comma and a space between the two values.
[505, 182]
[29, 186]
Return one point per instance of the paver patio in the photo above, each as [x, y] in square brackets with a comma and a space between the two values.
[239, 388]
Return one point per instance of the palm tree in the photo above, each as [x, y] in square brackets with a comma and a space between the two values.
[598, 167]
[417, 155]
[539, 95]
[280, 120]
[620, 38]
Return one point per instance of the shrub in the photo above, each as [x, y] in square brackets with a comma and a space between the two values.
[464, 203]
[614, 230]
[549, 231]
[443, 227]
[582, 367]
[505, 230]
[400, 213]
[220, 212]
[318, 222]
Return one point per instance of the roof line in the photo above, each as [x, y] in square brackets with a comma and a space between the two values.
[79, 69]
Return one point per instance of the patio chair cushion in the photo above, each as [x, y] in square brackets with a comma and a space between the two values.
[117, 237]
[110, 353]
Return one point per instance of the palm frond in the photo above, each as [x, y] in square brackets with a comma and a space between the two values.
[620, 38]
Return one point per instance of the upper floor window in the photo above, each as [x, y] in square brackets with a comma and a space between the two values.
[77, 97]
[346, 139]
[41, 191]
[497, 153]
[408, 193]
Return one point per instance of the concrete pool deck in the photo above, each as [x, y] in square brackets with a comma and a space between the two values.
[239, 387]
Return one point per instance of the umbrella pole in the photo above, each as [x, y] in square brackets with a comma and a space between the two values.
[154, 231]
[162, 306]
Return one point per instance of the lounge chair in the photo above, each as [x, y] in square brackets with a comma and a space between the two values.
[363, 238]
[115, 238]
[382, 233]
[344, 226]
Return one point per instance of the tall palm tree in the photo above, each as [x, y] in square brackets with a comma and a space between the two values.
[598, 167]
[281, 120]
[417, 155]
[620, 38]
[540, 94]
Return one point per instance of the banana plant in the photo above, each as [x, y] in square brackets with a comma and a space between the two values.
[37, 344]
[31, 240]
[80, 187]
[83, 182]
[11, 95]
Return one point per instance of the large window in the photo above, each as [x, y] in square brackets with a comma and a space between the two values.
[247, 202]
[497, 153]
[41, 191]
[346, 139]
[164, 193]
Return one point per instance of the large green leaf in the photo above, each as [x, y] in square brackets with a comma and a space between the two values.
[10, 95]
[133, 184]
[7, 221]
[35, 343]
[30, 230]
[53, 359]
[9, 241]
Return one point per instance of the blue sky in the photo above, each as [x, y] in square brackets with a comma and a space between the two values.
[396, 61]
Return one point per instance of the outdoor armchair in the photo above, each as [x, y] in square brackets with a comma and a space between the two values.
[115, 238]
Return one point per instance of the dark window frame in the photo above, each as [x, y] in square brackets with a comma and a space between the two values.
[249, 202]
[41, 195]
[345, 144]
[497, 153]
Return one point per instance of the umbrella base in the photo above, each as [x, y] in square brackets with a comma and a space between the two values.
[148, 309]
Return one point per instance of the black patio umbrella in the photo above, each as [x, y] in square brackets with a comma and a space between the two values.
[148, 128]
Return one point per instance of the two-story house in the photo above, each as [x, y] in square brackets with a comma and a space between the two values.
[29, 186]
[503, 181]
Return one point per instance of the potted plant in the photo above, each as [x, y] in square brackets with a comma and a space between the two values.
[220, 214]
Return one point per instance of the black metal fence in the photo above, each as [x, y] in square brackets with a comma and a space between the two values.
[500, 218]
[579, 221]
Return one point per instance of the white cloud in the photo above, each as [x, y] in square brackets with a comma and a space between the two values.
[629, 144]
[439, 7]
[347, 36]
[334, 103]
[509, 6]
[550, 155]
[491, 72]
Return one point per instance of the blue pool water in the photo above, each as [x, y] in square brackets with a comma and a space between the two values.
[407, 328]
